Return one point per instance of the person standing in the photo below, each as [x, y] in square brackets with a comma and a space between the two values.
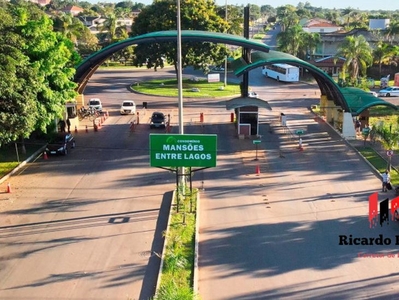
[68, 123]
[386, 178]
[61, 125]
[358, 124]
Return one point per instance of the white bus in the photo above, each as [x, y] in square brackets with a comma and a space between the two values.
[281, 72]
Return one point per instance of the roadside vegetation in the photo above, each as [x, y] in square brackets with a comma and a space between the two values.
[177, 272]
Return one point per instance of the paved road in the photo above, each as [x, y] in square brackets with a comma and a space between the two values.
[276, 235]
[88, 231]
[88, 225]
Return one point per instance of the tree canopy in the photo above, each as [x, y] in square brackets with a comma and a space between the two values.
[37, 68]
[358, 56]
[195, 15]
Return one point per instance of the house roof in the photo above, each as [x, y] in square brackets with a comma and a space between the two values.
[246, 101]
[72, 8]
[319, 23]
[328, 61]
[357, 31]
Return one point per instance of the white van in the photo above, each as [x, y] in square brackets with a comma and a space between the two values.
[96, 104]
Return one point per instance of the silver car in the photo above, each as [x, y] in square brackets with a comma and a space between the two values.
[391, 91]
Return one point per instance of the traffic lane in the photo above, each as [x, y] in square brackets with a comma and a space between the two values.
[281, 229]
[113, 86]
[97, 209]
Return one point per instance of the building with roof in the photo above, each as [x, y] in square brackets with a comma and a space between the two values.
[72, 9]
[319, 26]
[94, 23]
[329, 64]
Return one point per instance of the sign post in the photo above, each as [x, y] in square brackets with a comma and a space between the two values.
[390, 154]
[256, 143]
[183, 150]
[299, 132]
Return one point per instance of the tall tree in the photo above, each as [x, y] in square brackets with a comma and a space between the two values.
[195, 15]
[384, 53]
[235, 18]
[69, 26]
[297, 42]
[42, 68]
[18, 90]
[287, 16]
[358, 54]
[267, 11]
[392, 30]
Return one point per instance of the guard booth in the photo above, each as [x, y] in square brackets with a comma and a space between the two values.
[247, 114]
[248, 123]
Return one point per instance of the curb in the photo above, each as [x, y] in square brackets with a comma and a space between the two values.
[16, 169]
[348, 142]
[165, 242]
[196, 247]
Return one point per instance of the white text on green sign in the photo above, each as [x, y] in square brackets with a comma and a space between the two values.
[180, 150]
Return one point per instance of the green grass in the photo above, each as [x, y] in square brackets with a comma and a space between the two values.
[177, 272]
[205, 89]
[383, 112]
[378, 162]
[11, 157]
[259, 36]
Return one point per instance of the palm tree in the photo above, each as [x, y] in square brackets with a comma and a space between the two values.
[358, 54]
[310, 41]
[297, 42]
[110, 26]
[384, 53]
[69, 26]
[392, 30]
[388, 137]
[291, 40]
[287, 16]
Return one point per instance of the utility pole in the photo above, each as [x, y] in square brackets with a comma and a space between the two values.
[225, 61]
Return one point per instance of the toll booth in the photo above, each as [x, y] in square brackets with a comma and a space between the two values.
[247, 114]
[248, 123]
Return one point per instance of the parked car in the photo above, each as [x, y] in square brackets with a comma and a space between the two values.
[128, 107]
[60, 143]
[252, 95]
[96, 104]
[157, 120]
[391, 91]
[375, 94]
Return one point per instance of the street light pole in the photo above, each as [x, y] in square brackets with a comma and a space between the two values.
[179, 71]
[225, 61]
[181, 170]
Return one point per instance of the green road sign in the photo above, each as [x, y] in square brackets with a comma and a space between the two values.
[183, 150]
[299, 131]
[256, 142]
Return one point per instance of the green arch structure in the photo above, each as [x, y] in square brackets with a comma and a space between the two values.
[349, 99]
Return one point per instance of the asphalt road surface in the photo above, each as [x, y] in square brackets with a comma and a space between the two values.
[89, 225]
[275, 235]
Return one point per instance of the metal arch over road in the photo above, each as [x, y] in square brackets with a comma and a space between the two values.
[351, 100]
[86, 69]
[354, 101]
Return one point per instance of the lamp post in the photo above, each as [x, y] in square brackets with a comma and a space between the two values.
[225, 61]
[181, 170]
[179, 71]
